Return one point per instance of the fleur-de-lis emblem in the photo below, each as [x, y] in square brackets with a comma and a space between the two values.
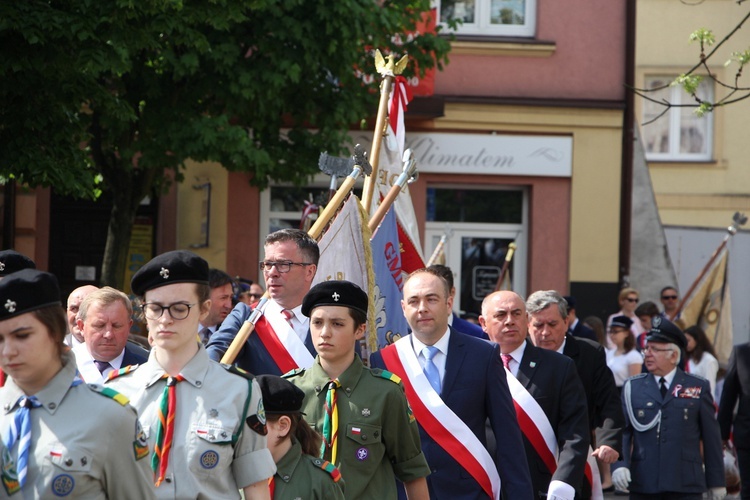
[164, 272]
[10, 306]
[2, 266]
[335, 296]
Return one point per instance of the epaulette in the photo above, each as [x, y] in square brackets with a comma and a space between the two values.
[110, 393]
[237, 371]
[699, 377]
[640, 375]
[122, 371]
[377, 372]
[326, 466]
[293, 373]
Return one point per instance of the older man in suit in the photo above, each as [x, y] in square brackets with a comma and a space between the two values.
[671, 444]
[454, 383]
[104, 319]
[547, 326]
[552, 381]
[737, 388]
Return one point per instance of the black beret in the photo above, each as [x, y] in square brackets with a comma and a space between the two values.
[12, 261]
[622, 321]
[280, 395]
[663, 330]
[27, 290]
[178, 266]
[335, 293]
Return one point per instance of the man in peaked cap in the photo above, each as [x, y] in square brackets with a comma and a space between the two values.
[668, 413]
[12, 261]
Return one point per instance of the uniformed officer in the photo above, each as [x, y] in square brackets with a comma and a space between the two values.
[295, 446]
[50, 446]
[668, 414]
[206, 425]
[368, 429]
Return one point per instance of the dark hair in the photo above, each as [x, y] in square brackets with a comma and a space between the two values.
[665, 289]
[596, 324]
[702, 344]
[301, 430]
[217, 278]
[648, 308]
[629, 342]
[445, 272]
[306, 245]
[56, 322]
[434, 272]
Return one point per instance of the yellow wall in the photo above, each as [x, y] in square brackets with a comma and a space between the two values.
[698, 194]
[189, 203]
[597, 160]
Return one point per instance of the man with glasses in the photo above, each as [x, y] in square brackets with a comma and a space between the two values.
[671, 443]
[670, 299]
[281, 340]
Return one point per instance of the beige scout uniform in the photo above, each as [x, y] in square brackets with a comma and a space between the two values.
[378, 436]
[211, 402]
[83, 443]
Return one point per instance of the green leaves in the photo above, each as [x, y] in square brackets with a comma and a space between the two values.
[688, 82]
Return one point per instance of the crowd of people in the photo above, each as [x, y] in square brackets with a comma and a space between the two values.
[531, 403]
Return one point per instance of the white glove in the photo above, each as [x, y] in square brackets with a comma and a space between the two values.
[717, 493]
[621, 478]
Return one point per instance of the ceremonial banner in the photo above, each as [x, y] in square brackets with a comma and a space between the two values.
[389, 319]
[345, 255]
[709, 307]
[390, 166]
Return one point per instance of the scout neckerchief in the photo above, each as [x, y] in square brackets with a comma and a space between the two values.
[165, 429]
[331, 421]
[19, 430]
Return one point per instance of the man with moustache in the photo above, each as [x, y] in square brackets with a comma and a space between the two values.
[548, 326]
[281, 340]
[552, 381]
[454, 384]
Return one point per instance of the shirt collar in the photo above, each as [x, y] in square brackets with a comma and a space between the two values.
[81, 350]
[285, 467]
[562, 346]
[348, 379]
[442, 344]
[517, 354]
[668, 378]
[194, 371]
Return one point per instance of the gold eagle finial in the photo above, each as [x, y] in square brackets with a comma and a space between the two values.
[390, 68]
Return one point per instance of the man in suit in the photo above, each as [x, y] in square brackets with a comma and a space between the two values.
[671, 443]
[737, 387]
[75, 336]
[551, 379]
[220, 284]
[289, 265]
[576, 327]
[454, 319]
[468, 381]
[105, 318]
[547, 327]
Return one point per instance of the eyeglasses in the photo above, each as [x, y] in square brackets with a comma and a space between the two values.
[180, 310]
[669, 297]
[655, 349]
[282, 266]
[255, 295]
[631, 299]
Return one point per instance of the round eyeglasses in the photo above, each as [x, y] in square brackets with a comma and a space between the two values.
[179, 310]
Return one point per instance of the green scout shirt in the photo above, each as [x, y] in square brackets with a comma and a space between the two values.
[302, 476]
[84, 444]
[378, 435]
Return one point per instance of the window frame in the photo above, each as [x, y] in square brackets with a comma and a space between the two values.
[482, 25]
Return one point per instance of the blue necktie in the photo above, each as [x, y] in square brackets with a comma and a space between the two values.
[430, 370]
[20, 430]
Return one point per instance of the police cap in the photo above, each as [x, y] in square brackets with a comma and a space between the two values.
[663, 330]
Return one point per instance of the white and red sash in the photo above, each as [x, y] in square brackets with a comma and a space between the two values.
[537, 429]
[439, 421]
[281, 341]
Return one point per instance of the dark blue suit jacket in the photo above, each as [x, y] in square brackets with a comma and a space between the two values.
[475, 388]
[584, 331]
[254, 356]
[134, 355]
[468, 328]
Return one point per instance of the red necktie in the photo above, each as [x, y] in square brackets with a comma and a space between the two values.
[506, 360]
[288, 315]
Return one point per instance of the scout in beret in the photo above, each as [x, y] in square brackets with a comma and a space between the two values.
[623, 360]
[51, 407]
[295, 446]
[671, 442]
[12, 261]
[368, 429]
[210, 449]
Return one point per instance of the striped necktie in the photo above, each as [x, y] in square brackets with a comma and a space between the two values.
[165, 428]
[19, 430]
[331, 421]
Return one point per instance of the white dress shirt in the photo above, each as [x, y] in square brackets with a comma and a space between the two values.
[440, 358]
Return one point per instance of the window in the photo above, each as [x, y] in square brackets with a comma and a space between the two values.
[490, 17]
[678, 135]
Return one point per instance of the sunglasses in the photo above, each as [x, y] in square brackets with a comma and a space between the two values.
[630, 299]
[669, 297]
